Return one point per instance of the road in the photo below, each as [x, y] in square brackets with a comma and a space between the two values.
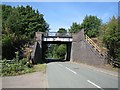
[71, 75]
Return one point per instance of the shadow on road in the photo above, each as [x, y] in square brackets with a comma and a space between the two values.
[55, 60]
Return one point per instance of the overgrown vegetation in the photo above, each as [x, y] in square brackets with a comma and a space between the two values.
[15, 67]
[107, 33]
[18, 67]
[39, 68]
[19, 25]
[111, 38]
[74, 28]
[59, 51]
[91, 25]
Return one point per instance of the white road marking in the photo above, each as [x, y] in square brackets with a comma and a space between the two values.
[67, 68]
[70, 70]
[96, 69]
[95, 84]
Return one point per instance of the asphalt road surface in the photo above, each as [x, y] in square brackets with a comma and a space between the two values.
[71, 75]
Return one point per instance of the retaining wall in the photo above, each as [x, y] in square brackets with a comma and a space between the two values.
[82, 52]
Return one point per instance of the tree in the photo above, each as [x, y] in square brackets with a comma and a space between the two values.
[50, 50]
[74, 28]
[19, 25]
[54, 51]
[61, 32]
[58, 50]
[112, 38]
[91, 25]
[61, 51]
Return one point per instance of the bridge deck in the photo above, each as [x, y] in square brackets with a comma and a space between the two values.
[57, 39]
[54, 36]
[57, 36]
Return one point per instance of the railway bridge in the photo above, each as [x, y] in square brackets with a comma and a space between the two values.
[78, 47]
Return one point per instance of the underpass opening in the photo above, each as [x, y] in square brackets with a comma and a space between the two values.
[56, 51]
[45, 40]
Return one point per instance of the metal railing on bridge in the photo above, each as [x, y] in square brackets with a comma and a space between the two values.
[56, 34]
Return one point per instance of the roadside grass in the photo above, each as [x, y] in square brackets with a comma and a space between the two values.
[39, 68]
[110, 67]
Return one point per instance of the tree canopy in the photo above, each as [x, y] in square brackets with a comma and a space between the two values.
[91, 25]
[111, 38]
[58, 51]
[19, 25]
[61, 32]
[74, 28]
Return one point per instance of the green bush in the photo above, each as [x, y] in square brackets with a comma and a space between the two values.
[61, 51]
[15, 67]
[29, 65]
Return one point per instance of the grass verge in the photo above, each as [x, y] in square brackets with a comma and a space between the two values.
[39, 68]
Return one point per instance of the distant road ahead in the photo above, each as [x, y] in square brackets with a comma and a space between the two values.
[71, 75]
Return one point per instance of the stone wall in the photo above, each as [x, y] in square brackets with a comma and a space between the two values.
[82, 52]
[37, 52]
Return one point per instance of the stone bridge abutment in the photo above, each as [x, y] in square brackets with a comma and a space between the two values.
[78, 49]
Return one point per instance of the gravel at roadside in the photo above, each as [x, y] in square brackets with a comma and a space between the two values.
[31, 80]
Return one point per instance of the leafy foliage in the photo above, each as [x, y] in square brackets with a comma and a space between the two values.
[61, 51]
[74, 28]
[57, 51]
[49, 52]
[19, 25]
[61, 32]
[112, 38]
[91, 25]
[15, 67]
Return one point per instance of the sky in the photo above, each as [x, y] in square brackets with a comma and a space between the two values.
[63, 14]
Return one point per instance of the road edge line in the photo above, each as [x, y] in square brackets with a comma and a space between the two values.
[95, 84]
